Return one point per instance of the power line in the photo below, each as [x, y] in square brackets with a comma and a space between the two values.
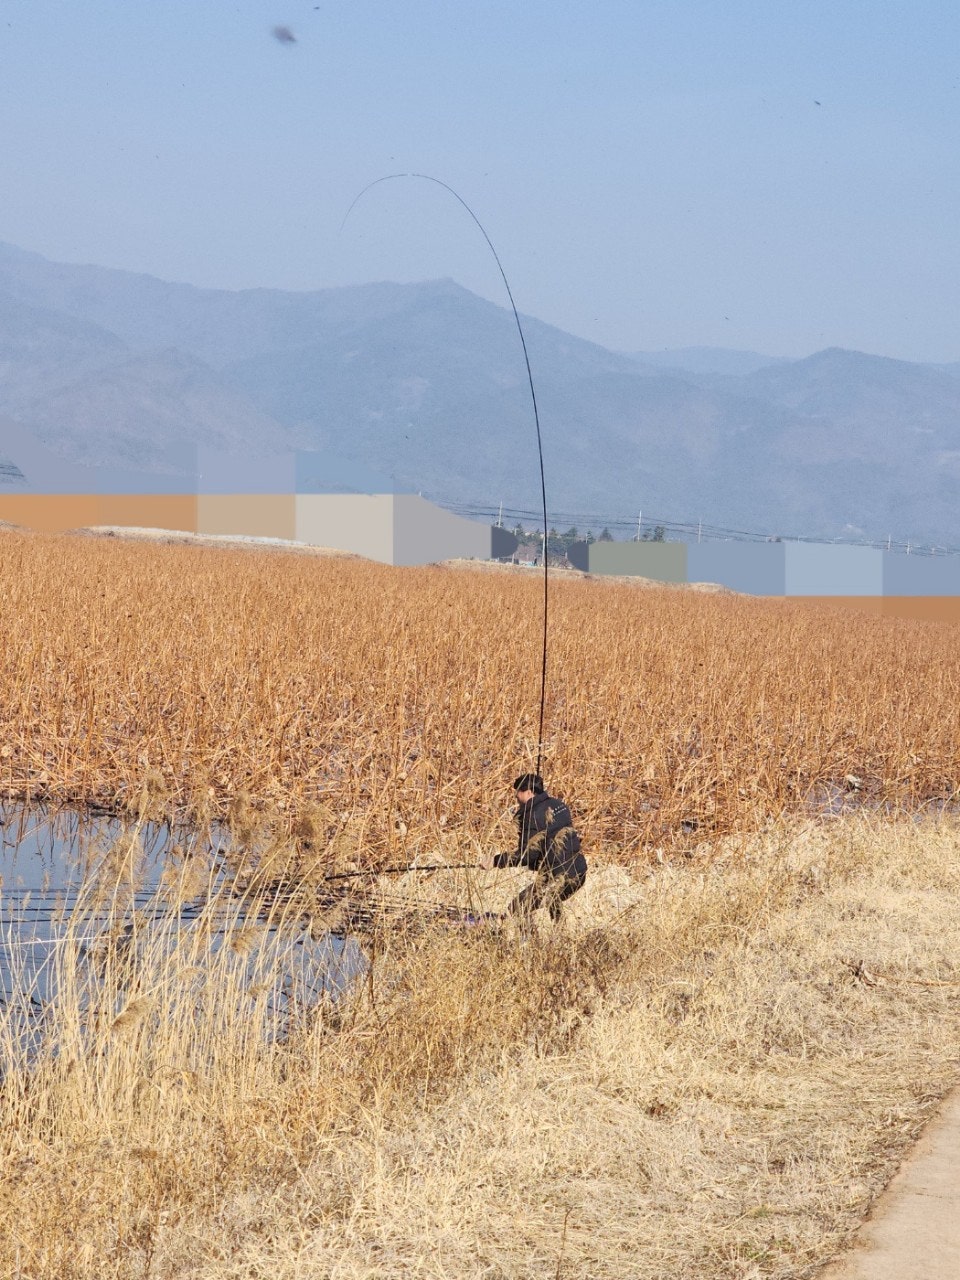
[695, 530]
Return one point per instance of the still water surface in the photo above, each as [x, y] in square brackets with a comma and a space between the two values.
[72, 880]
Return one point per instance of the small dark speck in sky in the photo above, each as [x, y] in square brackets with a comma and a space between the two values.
[284, 35]
[816, 103]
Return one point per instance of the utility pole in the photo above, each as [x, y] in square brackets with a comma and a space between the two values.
[699, 529]
[639, 520]
[500, 516]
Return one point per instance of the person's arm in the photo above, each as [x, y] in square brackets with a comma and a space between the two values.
[520, 856]
[510, 858]
[533, 839]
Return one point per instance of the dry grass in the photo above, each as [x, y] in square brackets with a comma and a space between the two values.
[401, 702]
[689, 1079]
[694, 1078]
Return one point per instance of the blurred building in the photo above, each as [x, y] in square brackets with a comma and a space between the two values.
[313, 498]
[889, 582]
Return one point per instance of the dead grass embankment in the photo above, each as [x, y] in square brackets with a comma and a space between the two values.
[691, 1079]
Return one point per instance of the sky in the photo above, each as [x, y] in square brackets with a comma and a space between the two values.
[771, 177]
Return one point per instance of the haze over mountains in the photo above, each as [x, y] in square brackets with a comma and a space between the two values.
[427, 383]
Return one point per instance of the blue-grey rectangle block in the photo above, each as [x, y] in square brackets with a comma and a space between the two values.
[756, 568]
[833, 570]
[905, 575]
[228, 473]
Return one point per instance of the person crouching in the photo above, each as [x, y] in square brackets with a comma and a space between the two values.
[548, 844]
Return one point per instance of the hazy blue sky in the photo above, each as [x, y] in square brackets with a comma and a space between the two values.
[781, 177]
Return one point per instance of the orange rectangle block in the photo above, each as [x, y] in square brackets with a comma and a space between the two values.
[923, 608]
[50, 512]
[176, 511]
[862, 604]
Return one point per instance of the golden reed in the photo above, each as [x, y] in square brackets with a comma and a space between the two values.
[168, 678]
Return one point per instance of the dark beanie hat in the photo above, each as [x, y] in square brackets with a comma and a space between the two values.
[529, 782]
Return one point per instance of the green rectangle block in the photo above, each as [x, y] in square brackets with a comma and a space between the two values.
[661, 561]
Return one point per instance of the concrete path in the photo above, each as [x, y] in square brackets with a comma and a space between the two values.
[913, 1232]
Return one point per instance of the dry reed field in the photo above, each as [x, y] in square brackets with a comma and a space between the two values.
[708, 1070]
[401, 701]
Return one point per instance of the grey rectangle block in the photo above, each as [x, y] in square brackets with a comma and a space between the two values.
[661, 561]
[502, 543]
[423, 533]
[905, 575]
[578, 553]
[832, 570]
[757, 568]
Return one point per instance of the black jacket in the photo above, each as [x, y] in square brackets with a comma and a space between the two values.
[546, 839]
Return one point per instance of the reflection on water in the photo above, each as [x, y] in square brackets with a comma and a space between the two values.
[851, 796]
[82, 896]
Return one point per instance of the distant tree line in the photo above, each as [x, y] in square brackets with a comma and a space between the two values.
[530, 541]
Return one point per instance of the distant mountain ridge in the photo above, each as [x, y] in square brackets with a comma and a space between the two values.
[708, 360]
[426, 382]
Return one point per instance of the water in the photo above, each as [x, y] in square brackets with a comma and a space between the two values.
[841, 799]
[83, 894]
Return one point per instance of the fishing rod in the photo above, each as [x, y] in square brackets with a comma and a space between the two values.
[426, 177]
[399, 869]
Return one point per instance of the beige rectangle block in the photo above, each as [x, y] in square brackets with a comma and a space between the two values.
[248, 515]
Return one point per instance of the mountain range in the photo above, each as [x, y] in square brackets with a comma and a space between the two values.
[427, 383]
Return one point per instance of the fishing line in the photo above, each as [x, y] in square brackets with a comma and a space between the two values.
[406, 867]
[426, 177]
